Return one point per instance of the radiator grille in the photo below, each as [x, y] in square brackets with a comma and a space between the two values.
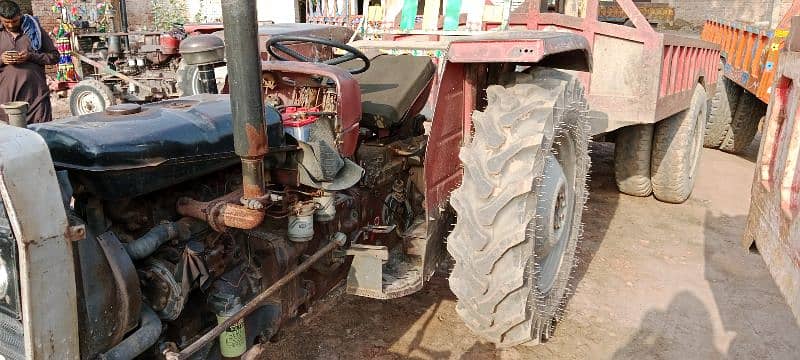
[11, 341]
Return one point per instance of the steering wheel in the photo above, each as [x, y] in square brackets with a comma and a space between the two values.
[281, 43]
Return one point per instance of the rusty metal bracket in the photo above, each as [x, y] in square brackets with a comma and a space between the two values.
[127, 283]
[365, 277]
[76, 233]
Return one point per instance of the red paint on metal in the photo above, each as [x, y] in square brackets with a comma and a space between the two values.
[693, 70]
[673, 77]
[772, 130]
[666, 65]
[202, 28]
[442, 166]
[790, 184]
[506, 51]
[681, 66]
[349, 102]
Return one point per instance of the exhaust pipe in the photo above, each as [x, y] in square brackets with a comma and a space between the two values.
[244, 69]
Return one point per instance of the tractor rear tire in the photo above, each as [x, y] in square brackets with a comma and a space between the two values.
[632, 160]
[721, 110]
[90, 96]
[744, 125]
[519, 207]
[677, 145]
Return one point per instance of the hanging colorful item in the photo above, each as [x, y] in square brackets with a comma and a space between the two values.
[83, 13]
[80, 14]
[66, 67]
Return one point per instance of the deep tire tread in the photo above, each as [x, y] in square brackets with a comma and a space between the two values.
[744, 125]
[632, 160]
[721, 109]
[672, 168]
[492, 277]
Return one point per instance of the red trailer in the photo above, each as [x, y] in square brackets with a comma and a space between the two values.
[773, 223]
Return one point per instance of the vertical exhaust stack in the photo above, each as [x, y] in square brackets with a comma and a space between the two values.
[244, 69]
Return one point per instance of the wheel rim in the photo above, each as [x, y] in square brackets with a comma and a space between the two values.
[555, 211]
[88, 102]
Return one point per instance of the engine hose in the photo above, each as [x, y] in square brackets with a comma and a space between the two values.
[157, 236]
[132, 346]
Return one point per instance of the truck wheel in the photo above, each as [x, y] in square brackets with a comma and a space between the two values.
[519, 207]
[90, 96]
[744, 126]
[632, 160]
[721, 111]
[187, 79]
[677, 144]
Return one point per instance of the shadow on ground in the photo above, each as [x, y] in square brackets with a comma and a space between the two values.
[750, 320]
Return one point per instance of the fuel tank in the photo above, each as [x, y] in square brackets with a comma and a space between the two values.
[133, 150]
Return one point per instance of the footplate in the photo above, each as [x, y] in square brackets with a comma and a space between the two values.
[380, 273]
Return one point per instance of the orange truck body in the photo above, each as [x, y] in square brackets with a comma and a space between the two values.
[750, 53]
[773, 222]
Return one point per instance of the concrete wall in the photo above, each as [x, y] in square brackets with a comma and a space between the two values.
[696, 11]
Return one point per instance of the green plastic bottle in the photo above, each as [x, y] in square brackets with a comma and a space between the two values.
[232, 342]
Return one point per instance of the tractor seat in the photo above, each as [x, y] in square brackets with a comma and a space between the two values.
[390, 87]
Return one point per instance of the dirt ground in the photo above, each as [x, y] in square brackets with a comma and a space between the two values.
[60, 107]
[654, 281]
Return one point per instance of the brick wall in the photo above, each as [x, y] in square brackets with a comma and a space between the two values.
[139, 14]
[696, 11]
[43, 10]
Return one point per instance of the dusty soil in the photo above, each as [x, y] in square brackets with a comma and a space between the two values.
[60, 107]
[653, 280]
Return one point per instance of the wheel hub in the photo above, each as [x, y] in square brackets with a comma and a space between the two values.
[560, 210]
[555, 213]
[88, 102]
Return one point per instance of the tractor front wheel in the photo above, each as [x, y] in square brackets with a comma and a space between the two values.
[519, 207]
[90, 96]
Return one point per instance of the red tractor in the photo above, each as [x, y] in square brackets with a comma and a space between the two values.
[197, 227]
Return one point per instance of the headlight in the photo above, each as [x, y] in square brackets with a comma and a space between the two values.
[3, 279]
[9, 279]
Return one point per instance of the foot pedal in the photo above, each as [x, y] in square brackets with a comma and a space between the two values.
[378, 273]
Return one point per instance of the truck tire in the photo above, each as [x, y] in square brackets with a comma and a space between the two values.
[90, 96]
[677, 144]
[519, 207]
[744, 125]
[632, 160]
[721, 110]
